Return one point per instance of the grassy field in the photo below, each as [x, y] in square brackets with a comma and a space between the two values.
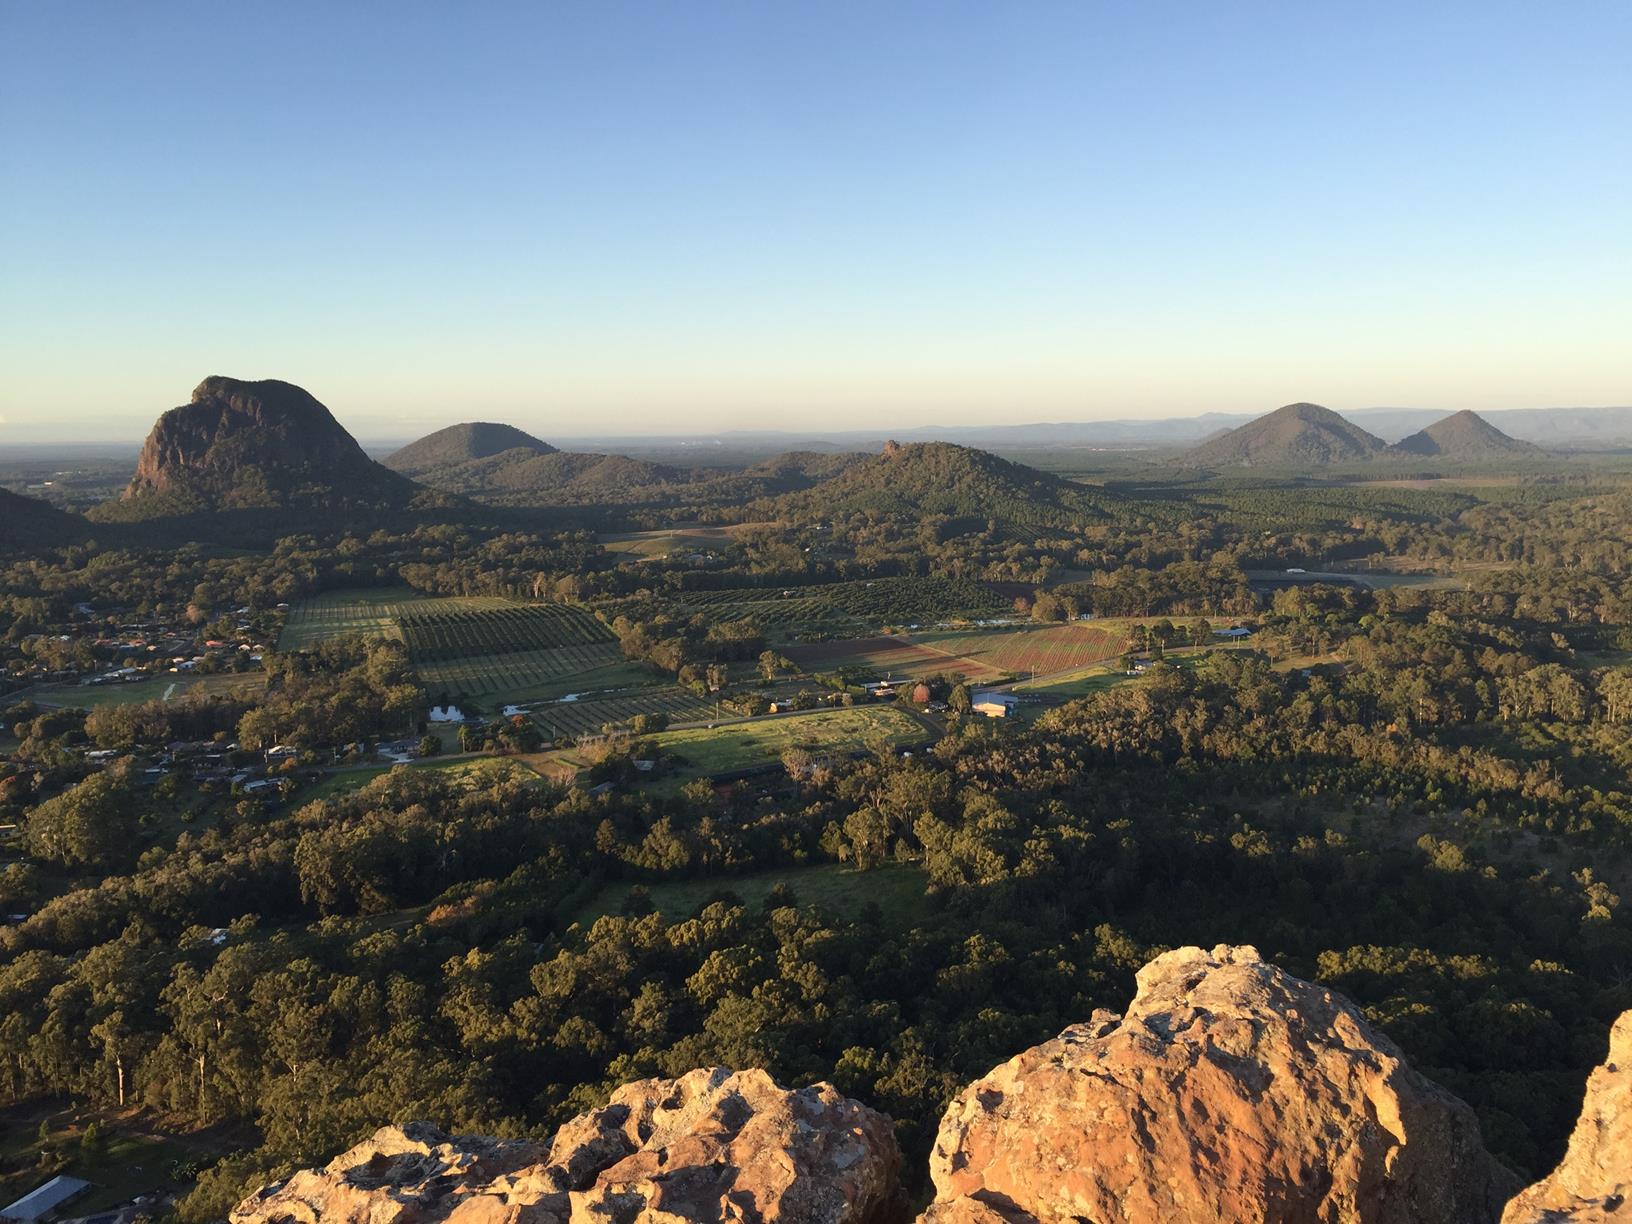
[1098, 677]
[744, 745]
[652, 544]
[896, 888]
[164, 688]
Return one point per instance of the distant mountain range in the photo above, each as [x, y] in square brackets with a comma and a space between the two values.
[1307, 435]
[502, 463]
[1554, 428]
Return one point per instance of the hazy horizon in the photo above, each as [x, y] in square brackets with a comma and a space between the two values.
[624, 220]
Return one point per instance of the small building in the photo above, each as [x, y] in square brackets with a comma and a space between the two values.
[446, 714]
[920, 693]
[1239, 631]
[41, 1202]
[993, 705]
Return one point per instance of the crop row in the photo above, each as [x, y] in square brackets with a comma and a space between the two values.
[874, 601]
[480, 675]
[440, 636]
[568, 719]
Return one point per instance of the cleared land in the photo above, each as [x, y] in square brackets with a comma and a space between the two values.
[652, 544]
[167, 687]
[888, 656]
[896, 888]
[745, 745]
[1049, 648]
[980, 655]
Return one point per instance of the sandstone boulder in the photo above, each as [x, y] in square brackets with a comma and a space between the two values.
[1230, 1091]
[709, 1146]
[1594, 1182]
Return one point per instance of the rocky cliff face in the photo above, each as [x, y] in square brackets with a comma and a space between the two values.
[1593, 1185]
[711, 1145]
[1229, 1091]
[267, 443]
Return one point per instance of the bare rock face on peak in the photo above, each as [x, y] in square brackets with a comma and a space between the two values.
[244, 444]
[1593, 1184]
[1229, 1091]
[712, 1145]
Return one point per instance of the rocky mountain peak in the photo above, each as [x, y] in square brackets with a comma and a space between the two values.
[240, 443]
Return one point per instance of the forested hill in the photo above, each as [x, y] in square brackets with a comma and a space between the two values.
[1298, 435]
[939, 478]
[26, 522]
[459, 444]
[1463, 435]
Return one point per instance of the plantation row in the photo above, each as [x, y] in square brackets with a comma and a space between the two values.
[568, 719]
[440, 636]
[370, 613]
[514, 671]
[883, 601]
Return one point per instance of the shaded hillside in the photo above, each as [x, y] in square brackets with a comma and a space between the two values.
[1464, 435]
[939, 478]
[253, 446]
[1298, 435]
[458, 444]
[799, 469]
[27, 522]
[522, 475]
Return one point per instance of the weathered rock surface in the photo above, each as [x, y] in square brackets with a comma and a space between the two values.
[1594, 1181]
[1230, 1091]
[709, 1146]
[263, 443]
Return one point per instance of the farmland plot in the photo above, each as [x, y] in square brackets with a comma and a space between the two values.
[566, 719]
[1046, 649]
[440, 634]
[368, 612]
[897, 656]
[514, 672]
[857, 604]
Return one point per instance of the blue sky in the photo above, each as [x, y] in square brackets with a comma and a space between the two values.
[684, 217]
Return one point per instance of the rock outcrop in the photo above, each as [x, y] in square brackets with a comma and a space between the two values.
[1229, 1091]
[710, 1146]
[244, 444]
[1593, 1184]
